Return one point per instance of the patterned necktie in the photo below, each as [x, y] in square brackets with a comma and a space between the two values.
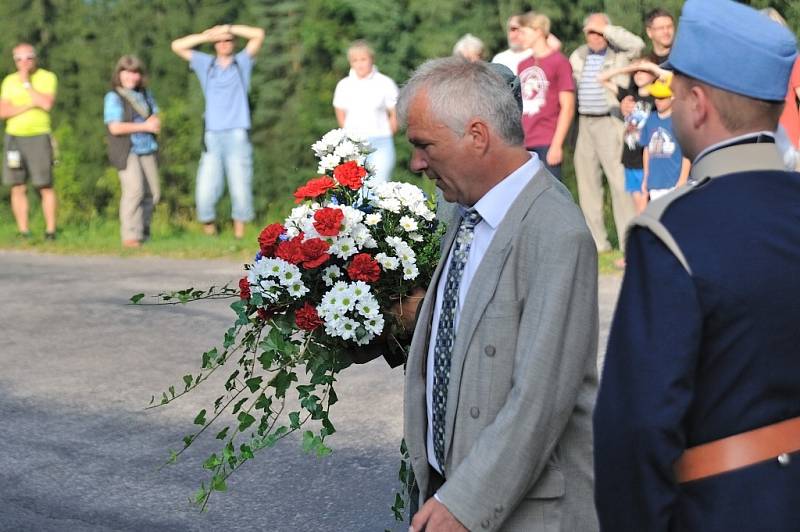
[445, 335]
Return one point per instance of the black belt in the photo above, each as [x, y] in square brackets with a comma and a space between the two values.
[594, 116]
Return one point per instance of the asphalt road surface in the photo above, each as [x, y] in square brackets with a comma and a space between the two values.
[80, 453]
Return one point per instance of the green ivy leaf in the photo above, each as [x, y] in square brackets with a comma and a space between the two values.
[212, 462]
[253, 384]
[136, 298]
[246, 452]
[266, 359]
[327, 427]
[221, 434]
[308, 441]
[218, 483]
[332, 397]
[245, 420]
[200, 419]
[238, 405]
[187, 380]
[263, 403]
[172, 391]
[281, 382]
[294, 419]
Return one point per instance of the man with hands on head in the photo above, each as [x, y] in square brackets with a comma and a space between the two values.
[501, 372]
[225, 80]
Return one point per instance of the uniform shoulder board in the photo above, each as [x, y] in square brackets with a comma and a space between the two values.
[651, 219]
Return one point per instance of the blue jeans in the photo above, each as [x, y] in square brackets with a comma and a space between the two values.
[382, 158]
[228, 153]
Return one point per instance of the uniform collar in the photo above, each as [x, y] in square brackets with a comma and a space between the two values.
[739, 154]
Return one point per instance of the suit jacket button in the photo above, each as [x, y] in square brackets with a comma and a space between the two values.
[498, 510]
[784, 459]
[489, 350]
[486, 523]
[474, 412]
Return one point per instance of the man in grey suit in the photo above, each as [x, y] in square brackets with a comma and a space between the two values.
[501, 374]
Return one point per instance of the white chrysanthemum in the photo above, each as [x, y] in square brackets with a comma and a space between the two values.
[297, 289]
[327, 163]
[360, 290]
[351, 216]
[375, 324]
[373, 219]
[331, 274]
[416, 237]
[289, 275]
[361, 235]
[368, 308]
[408, 223]
[410, 272]
[387, 262]
[390, 204]
[393, 241]
[347, 150]
[334, 136]
[344, 247]
[346, 328]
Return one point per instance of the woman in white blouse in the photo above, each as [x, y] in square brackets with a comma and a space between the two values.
[365, 106]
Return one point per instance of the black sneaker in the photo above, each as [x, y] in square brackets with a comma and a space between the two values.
[50, 236]
[24, 235]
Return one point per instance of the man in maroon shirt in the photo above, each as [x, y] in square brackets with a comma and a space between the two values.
[548, 93]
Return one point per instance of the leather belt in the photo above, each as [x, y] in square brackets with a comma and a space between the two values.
[738, 451]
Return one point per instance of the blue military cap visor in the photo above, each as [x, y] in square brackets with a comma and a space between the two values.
[733, 47]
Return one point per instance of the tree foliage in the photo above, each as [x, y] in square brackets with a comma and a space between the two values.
[293, 80]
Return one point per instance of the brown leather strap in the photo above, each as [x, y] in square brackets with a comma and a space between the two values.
[739, 450]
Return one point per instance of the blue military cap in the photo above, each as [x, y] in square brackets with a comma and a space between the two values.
[733, 47]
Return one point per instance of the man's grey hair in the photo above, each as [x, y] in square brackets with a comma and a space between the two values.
[459, 91]
[598, 14]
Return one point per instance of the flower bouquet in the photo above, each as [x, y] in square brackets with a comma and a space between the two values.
[320, 291]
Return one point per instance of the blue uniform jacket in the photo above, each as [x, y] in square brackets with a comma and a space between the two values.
[705, 343]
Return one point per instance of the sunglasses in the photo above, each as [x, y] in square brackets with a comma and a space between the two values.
[24, 57]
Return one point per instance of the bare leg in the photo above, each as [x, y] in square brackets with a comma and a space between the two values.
[19, 206]
[49, 208]
[238, 229]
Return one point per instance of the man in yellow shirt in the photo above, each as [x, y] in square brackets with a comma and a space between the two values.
[26, 98]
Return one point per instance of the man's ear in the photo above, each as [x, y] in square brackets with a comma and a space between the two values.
[478, 133]
[700, 106]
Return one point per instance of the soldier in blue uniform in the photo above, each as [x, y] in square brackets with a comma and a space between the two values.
[697, 423]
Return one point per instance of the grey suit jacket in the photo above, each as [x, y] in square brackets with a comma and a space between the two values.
[523, 374]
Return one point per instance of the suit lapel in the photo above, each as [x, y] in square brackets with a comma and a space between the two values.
[483, 287]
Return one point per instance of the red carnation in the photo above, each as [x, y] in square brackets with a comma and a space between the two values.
[328, 221]
[264, 315]
[268, 239]
[364, 268]
[314, 187]
[291, 250]
[350, 174]
[307, 318]
[244, 288]
[315, 253]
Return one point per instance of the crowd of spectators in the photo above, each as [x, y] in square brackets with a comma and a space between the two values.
[610, 92]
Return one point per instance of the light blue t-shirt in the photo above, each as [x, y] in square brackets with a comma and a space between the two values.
[225, 90]
[663, 151]
[141, 143]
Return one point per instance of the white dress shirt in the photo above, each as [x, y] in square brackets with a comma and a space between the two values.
[492, 207]
[366, 102]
